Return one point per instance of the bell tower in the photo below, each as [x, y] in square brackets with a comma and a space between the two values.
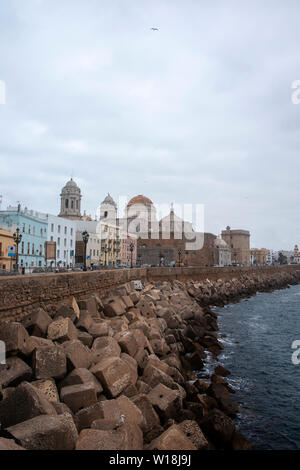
[70, 201]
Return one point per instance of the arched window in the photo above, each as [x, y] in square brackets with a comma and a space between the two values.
[76, 204]
[105, 214]
[72, 204]
[67, 203]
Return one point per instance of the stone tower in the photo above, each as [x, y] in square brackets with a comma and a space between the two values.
[70, 197]
[108, 210]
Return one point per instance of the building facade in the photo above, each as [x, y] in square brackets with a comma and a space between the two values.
[70, 201]
[62, 232]
[259, 256]
[6, 240]
[33, 228]
[223, 253]
[239, 244]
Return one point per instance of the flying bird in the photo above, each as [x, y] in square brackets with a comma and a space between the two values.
[154, 29]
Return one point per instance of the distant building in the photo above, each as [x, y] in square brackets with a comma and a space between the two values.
[63, 233]
[70, 201]
[259, 256]
[33, 228]
[6, 240]
[296, 259]
[223, 253]
[239, 243]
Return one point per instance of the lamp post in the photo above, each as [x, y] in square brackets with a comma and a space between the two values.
[186, 257]
[17, 239]
[131, 248]
[179, 256]
[85, 238]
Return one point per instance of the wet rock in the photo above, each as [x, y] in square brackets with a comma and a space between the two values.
[172, 439]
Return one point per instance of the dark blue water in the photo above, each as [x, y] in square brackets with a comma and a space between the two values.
[257, 351]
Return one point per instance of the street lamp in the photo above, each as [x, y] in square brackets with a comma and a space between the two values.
[179, 256]
[17, 239]
[85, 238]
[131, 248]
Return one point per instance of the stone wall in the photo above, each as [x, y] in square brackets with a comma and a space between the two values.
[23, 294]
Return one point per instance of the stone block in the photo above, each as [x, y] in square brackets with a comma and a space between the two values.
[14, 372]
[194, 433]
[85, 338]
[131, 362]
[48, 388]
[49, 362]
[78, 355]
[82, 376]
[127, 437]
[165, 401]
[37, 323]
[23, 403]
[218, 427]
[97, 330]
[128, 343]
[85, 417]
[114, 375]
[127, 301]
[85, 321]
[9, 444]
[105, 347]
[151, 419]
[66, 311]
[62, 330]
[16, 338]
[77, 397]
[154, 376]
[172, 439]
[115, 308]
[46, 433]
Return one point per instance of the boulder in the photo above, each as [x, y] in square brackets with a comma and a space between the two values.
[14, 372]
[37, 323]
[85, 417]
[9, 444]
[85, 338]
[172, 439]
[218, 427]
[78, 355]
[115, 308]
[105, 347]
[46, 433]
[165, 401]
[194, 433]
[128, 437]
[128, 343]
[23, 403]
[48, 388]
[220, 370]
[82, 376]
[77, 397]
[62, 330]
[114, 375]
[16, 338]
[49, 362]
[97, 330]
[151, 425]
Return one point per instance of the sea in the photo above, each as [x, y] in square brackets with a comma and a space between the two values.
[258, 336]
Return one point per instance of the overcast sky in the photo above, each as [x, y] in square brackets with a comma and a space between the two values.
[198, 112]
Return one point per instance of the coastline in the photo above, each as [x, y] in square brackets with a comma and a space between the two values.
[134, 352]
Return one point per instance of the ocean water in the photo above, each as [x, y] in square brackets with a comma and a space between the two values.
[257, 350]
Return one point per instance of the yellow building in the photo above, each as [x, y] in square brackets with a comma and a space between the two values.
[6, 240]
[259, 256]
[110, 244]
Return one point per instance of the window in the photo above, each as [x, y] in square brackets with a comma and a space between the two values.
[41, 250]
[71, 232]
[22, 247]
[51, 239]
[58, 228]
[52, 227]
[105, 214]
[66, 230]
[72, 204]
[67, 203]
[65, 242]
[29, 229]
[71, 243]
[58, 253]
[28, 248]
[33, 230]
[41, 232]
[58, 241]
[76, 204]
[23, 229]
[33, 248]
[65, 254]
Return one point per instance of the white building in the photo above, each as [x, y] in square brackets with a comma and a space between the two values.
[63, 233]
[224, 252]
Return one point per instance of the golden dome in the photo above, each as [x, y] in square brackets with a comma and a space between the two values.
[140, 200]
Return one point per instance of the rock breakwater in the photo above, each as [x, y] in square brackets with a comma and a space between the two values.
[118, 372]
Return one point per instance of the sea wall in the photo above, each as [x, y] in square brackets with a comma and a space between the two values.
[23, 294]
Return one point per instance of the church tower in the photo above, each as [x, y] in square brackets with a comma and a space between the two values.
[108, 210]
[70, 207]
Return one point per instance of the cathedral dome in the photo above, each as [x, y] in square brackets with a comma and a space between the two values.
[140, 200]
[71, 186]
